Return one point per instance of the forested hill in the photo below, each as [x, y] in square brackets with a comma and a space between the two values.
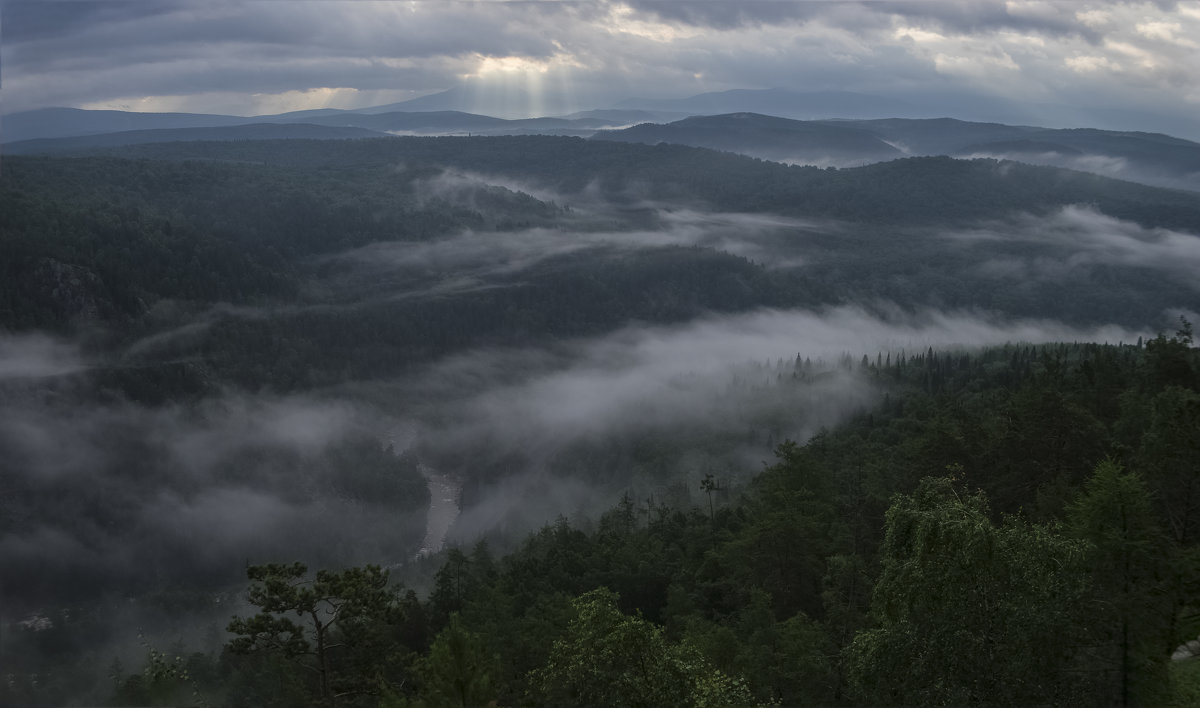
[1149, 158]
[763, 136]
[254, 248]
[221, 358]
[955, 547]
[248, 131]
[912, 190]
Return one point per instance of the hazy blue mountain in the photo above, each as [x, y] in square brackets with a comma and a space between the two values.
[1029, 148]
[252, 131]
[618, 116]
[1163, 150]
[1145, 157]
[1152, 158]
[70, 122]
[936, 136]
[1099, 117]
[782, 102]
[65, 122]
[503, 101]
[440, 122]
[763, 136]
[449, 100]
[54, 123]
[401, 121]
[457, 122]
[301, 116]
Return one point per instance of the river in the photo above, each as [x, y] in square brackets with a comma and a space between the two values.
[443, 509]
[444, 490]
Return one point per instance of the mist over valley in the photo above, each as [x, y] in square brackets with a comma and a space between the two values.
[599, 354]
[540, 344]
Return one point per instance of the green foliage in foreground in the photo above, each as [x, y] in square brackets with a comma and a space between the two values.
[458, 670]
[1185, 678]
[347, 637]
[971, 613]
[608, 658]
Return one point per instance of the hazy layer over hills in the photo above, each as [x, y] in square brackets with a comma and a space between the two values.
[249, 131]
[1144, 157]
[765, 136]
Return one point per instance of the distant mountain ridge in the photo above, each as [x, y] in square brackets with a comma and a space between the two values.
[764, 136]
[251, 131]
[805, 105]
[55, 123]
[1151, 158]
[70, 122]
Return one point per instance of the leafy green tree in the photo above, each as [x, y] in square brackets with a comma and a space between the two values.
[788, 662]
[967, 612]
[165, 680]
[611, 659]
[1170, 361]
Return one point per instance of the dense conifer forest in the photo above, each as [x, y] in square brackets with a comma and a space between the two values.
[721, 431]
[956, 546]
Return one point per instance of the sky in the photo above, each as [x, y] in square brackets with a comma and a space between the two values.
[254, 58]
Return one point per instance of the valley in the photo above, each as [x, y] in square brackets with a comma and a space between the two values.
[439, 355]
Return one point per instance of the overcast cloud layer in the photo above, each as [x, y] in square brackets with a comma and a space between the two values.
[545, 57]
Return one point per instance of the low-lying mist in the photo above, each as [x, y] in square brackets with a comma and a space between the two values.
[143, 518]
[117, 491]
[473, 256]
[117, 497]
[536, 432]
[1076, 239]
[717, 336]
[520, 354]
[1112, 166]
[36, 356]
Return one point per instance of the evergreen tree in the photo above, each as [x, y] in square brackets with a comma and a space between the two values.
[459, 672]
[344, 637]
[1131, 610]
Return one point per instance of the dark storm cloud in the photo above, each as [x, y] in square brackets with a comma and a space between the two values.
[972, 17]
[297, 28]
[960, 16]
[90, 52]
[731, 13]
[27, 21]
